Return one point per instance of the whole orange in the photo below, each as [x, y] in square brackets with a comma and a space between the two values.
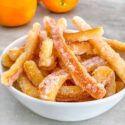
[16, 12]
[60, 6]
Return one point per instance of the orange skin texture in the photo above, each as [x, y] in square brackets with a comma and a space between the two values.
[60, 6]
[16, 12]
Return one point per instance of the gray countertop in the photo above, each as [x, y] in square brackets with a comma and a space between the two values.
[107, 13]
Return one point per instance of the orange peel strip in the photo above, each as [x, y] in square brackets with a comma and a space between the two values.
[8, 77]
[115, 44]
[33, 72]
[84, 35]
[113, 58]
[71, 94]
[51, 84]
[62, 22]
[78, 72]
[47, 22]
[82, 25]
[45, 54]
[80, 48]
[15, 53]
[42, 35]
[94, 62]
[26, 86]
[6, 61]
[106, 75]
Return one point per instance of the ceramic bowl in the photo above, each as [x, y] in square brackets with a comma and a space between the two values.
[60, 110]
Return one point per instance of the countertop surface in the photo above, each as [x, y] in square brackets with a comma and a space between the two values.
[107, 13]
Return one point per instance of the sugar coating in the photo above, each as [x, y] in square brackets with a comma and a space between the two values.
[93, 87]
[52, 81]
[100, 85]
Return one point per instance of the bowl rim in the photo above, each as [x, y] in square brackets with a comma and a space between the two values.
[11, 88]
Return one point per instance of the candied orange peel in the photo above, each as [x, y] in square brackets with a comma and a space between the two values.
[56, 63]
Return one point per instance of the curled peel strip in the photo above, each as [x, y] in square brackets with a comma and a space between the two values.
[78, 72]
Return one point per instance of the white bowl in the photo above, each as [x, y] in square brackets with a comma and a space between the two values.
[59, 110]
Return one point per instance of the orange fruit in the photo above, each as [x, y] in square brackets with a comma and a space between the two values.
[16, 12]
[60, 6]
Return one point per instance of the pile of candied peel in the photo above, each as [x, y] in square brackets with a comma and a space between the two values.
[59, 64]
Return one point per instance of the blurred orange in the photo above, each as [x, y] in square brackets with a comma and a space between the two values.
[16, 12]
[60, 6]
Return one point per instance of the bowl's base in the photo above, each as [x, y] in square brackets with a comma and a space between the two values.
[65, 112]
